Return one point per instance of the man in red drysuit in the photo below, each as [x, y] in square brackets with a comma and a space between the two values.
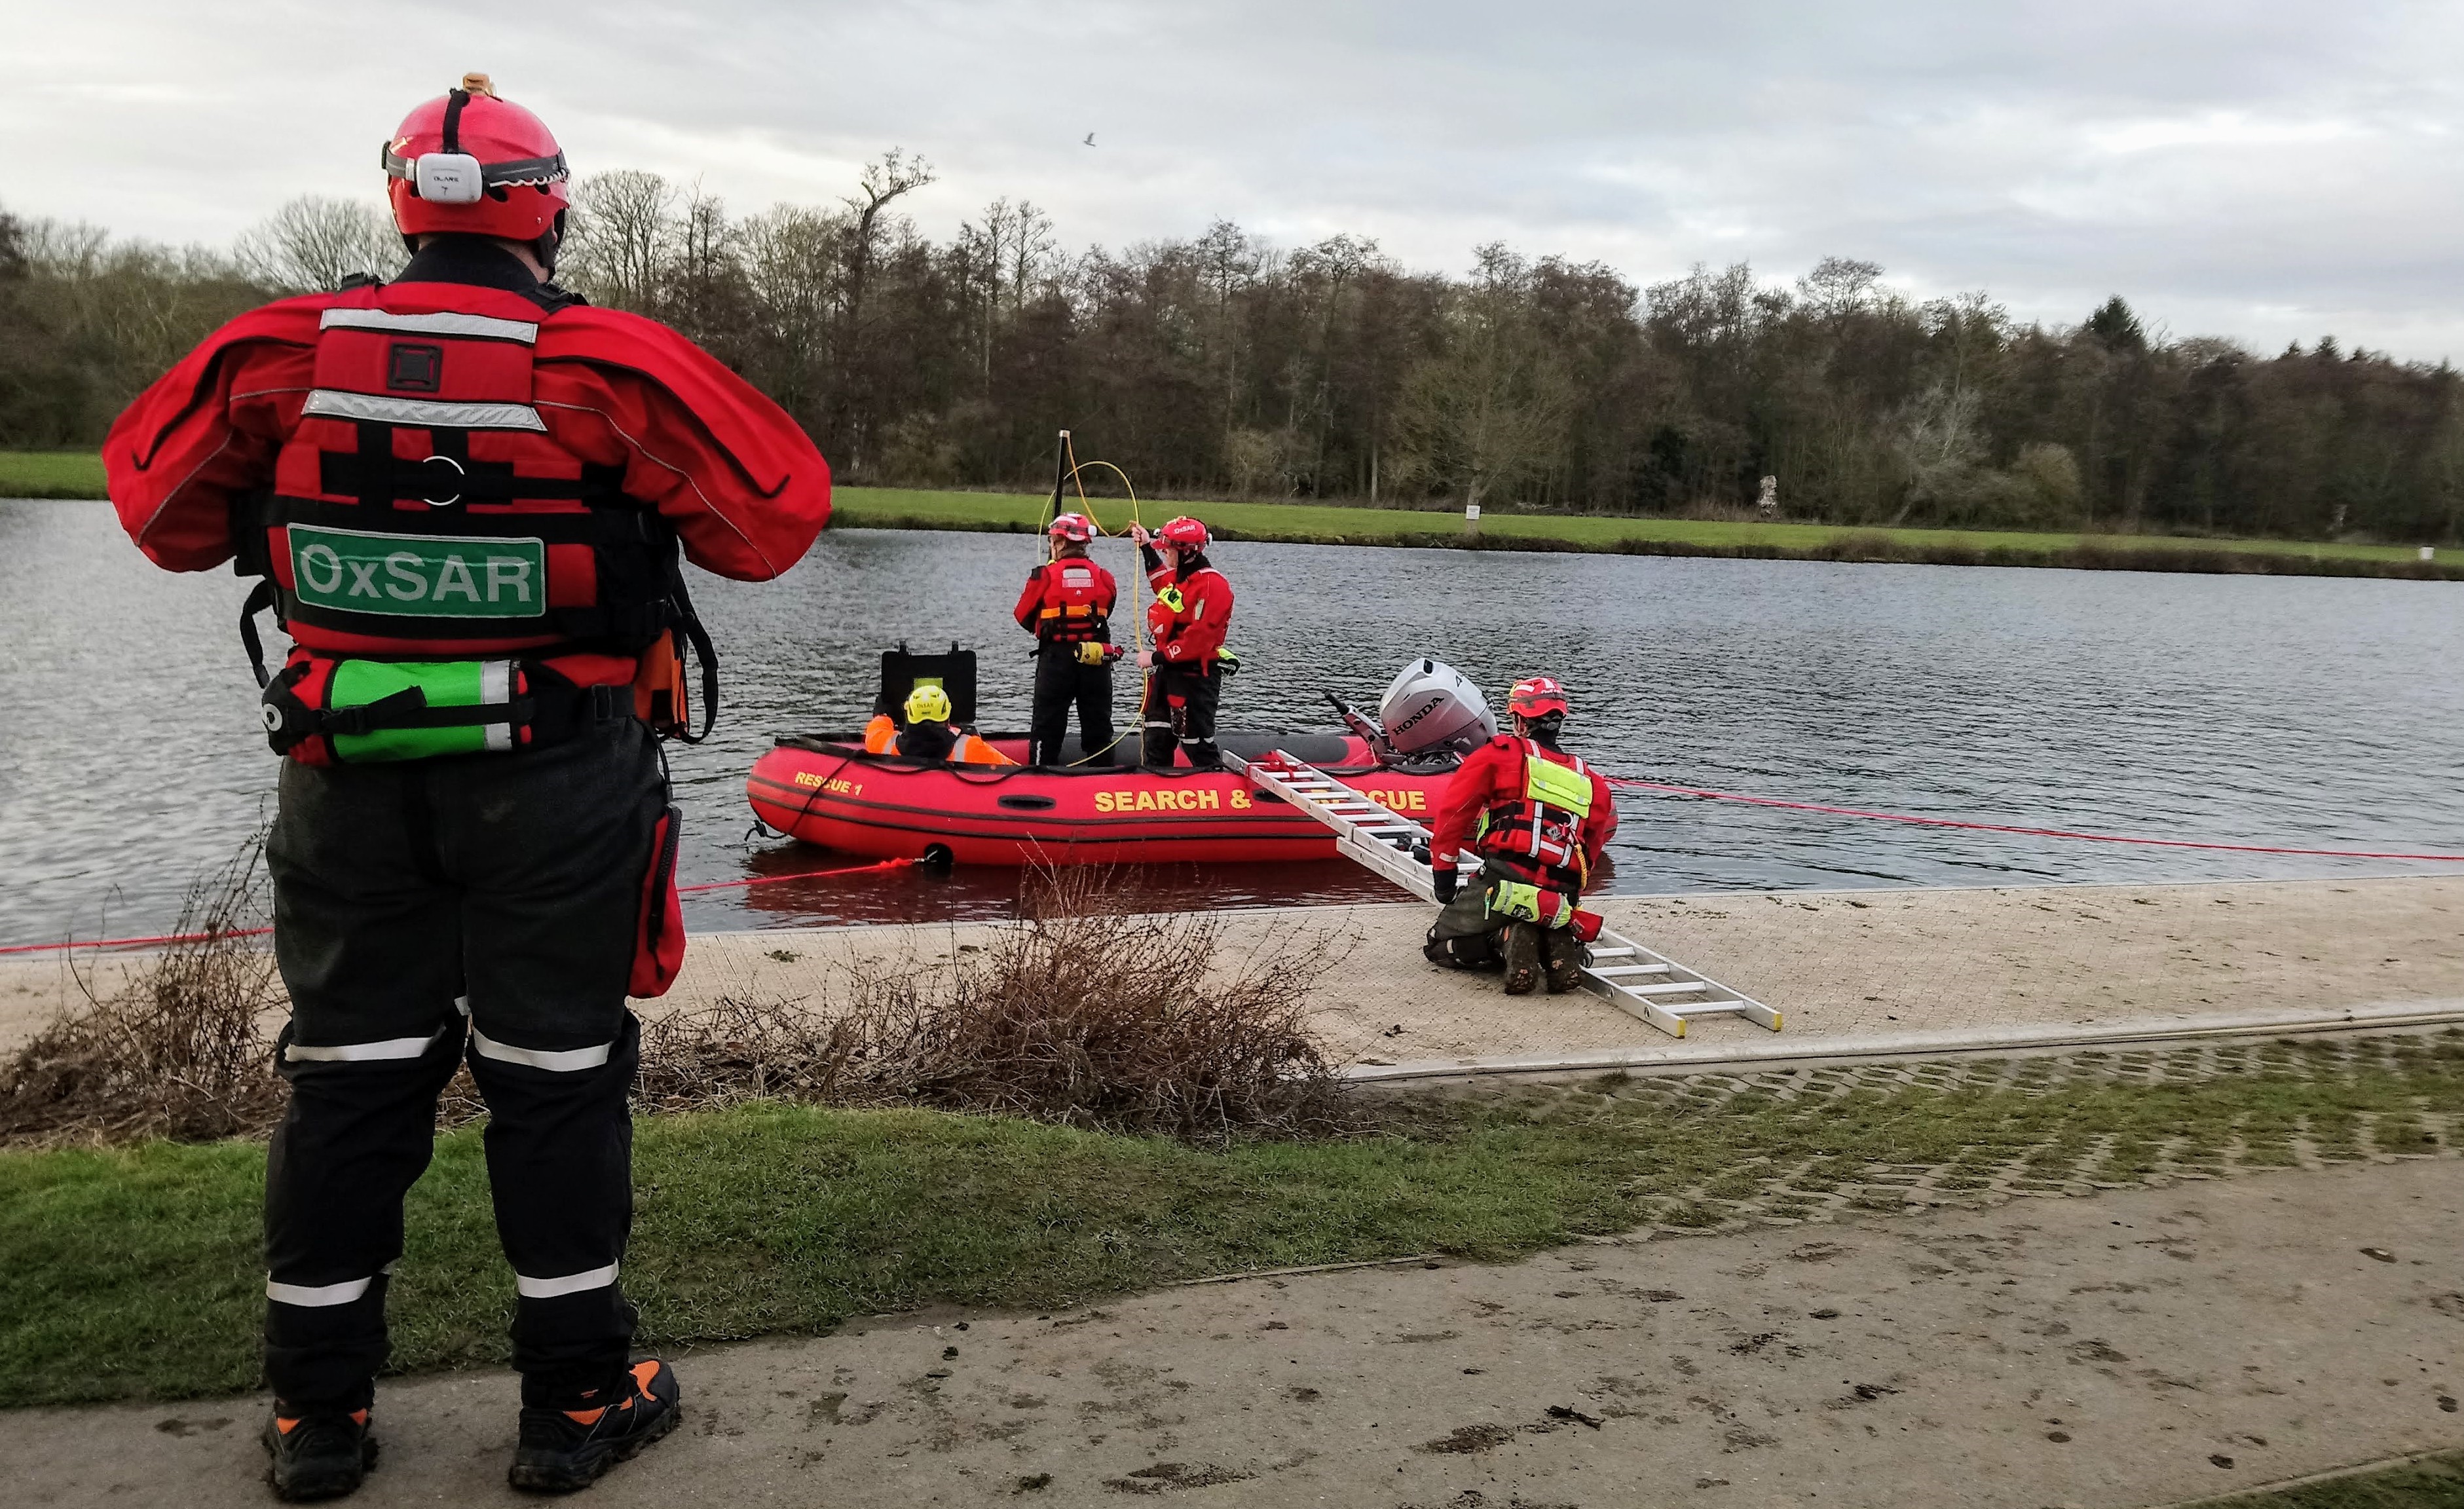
[1191, 611]
[1539, 818]
[1067, 606]
[464, 494]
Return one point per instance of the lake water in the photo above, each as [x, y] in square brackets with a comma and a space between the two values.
[2304, 711]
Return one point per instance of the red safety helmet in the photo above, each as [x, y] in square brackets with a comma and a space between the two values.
[471, 161]
[1076, 528]
[1186, 533]
[1535, 697]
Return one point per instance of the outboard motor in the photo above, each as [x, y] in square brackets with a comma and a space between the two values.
[1431, 713]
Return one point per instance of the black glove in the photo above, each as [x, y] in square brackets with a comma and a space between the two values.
[1445, 882]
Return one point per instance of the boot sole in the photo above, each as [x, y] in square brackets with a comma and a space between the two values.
[322, 1482]
[572, 1478]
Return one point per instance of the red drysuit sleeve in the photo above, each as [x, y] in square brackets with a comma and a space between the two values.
[1468, 794]
[1031, 602]
[1601, 824]
[1195, 633]
[207, 431]
[739, 479]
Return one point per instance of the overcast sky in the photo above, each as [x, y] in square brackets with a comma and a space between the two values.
[2266, 169]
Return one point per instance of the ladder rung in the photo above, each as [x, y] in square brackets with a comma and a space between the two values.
[1613, 970]
[1704, 1008]
[1680, 988]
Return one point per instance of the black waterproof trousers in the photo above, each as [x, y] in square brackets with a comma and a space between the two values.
[486, 906]
[1179, 708]
[1061, 682]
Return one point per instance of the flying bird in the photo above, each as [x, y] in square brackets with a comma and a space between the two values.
[1091, 139]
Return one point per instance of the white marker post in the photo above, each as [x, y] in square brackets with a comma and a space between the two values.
[1471, 518]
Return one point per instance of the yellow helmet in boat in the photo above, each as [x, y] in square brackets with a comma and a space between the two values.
[928, 704]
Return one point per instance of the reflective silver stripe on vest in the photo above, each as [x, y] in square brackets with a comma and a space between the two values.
[362, 1052]
[562, 1061]
[317, 1298]
[424, 412]
[436, 324]
[570, 1283]
[497, 690]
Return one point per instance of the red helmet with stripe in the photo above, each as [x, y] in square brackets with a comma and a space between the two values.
[1186, 533]
[1536, 696]
[471, 161]
[1076, 528]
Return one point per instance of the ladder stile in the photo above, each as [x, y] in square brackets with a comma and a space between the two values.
[1382, 840]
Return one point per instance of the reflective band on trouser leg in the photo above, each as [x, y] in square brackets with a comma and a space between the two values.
[386, 1051]
[570, 1283]
[319, 1296]
[565, 1061]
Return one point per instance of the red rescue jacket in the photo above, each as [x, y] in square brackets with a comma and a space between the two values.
[1066, 601]
[444, 469]
[1191, 611]
[1492, 783]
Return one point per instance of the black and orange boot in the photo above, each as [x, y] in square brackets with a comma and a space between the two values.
[321, 1454]
[563, 1450]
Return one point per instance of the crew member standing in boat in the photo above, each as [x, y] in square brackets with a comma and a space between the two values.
[1067, 606]
[463, 493]
[1192, 608]
[1539, 818]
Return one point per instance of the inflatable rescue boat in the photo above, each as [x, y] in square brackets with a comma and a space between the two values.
[827, 789]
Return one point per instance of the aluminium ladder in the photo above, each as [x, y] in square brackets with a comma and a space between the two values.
[1647, 984]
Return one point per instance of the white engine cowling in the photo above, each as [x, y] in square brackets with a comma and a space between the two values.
[1432, 707]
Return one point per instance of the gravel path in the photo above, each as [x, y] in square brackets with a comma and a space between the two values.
[2140, 1347]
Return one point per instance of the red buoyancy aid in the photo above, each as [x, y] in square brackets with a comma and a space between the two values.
[1068, 600]
[461, 471]
[1538, 829]
[421, 507]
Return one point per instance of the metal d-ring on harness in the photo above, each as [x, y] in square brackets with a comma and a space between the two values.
[1642, 982]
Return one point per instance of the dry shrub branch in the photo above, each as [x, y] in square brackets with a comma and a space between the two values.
[1084, 1012]
[175, 1049]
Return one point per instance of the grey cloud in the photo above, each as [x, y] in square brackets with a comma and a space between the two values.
[2267, 170]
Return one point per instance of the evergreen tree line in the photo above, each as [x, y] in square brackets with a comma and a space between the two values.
[1223, 366]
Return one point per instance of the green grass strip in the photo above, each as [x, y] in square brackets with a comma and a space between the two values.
[135, 1273]
[2435, 1482]
[1335, 524]
[78, 475]
[51, 475]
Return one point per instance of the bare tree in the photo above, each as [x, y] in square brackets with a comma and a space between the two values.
[1490, 410]
[314, 244]
[621, 237]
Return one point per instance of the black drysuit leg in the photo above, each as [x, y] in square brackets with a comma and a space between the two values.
[1179, 709]
[1061, 682]
[503, 889]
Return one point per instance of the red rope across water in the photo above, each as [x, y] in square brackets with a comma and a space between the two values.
[2005, 827]
[259, 932]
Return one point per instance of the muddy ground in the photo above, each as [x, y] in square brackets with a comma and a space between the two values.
[2139, 1348]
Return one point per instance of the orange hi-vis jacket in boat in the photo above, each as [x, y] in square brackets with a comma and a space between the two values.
[1189, 615]
[1066, 601]
[1513, 803]
[882, 737]
[447, 470]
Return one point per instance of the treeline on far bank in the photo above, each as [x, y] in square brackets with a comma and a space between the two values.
[1224, 366]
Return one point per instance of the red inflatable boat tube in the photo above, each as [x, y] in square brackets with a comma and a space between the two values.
[828, 791]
